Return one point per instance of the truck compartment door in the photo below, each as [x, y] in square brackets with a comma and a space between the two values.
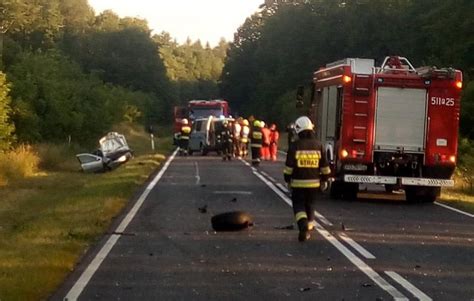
[400, 119]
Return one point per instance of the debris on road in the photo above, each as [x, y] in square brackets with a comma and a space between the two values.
[289, 227]
[304, 289]
[234, 200]
[203, 209]
[231, 221]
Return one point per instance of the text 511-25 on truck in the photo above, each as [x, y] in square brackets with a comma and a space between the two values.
[393, 125]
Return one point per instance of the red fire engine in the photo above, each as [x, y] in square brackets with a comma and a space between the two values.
[206, 108]
[393, 125]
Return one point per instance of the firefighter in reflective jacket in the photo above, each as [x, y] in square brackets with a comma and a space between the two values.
[306, 169]
[184, 137]
[256, 142]
[244, 138]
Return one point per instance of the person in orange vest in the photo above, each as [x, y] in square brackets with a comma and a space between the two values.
[184, 137]
[274, 136]
[265, 150]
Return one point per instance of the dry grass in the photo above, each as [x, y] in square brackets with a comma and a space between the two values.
[48, 221]
[17, 164]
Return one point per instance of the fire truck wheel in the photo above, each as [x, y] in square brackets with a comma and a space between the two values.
[231, 221]
[335, 191]
[417, 194]
[349, 191]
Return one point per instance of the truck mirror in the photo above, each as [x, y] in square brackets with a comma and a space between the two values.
[299, 96]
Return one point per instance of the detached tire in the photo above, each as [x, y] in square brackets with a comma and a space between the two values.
[231, 221]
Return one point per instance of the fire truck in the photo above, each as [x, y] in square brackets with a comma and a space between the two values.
[393, 125]
[206, 108]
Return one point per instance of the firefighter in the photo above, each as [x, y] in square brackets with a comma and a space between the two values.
[256, 142]
[265, 150]
[227, 139]
[306, 170]
[274, 136]
[184, 137]
[244, 138]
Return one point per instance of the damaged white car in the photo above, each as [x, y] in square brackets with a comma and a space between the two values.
[113, 151]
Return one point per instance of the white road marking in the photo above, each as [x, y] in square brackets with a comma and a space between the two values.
[381, 282]
[323, 219]
[282, 152]
[362, 251]
[198, 177]
[87, 274]
[282, 187]
[268, 176]
[408, 286]
[233, 192]
[454, 209]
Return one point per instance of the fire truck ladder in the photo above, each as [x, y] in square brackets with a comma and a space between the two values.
[362, 87]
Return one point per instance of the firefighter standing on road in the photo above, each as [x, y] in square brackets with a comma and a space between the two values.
[184, 137]
[227, 140]
[256, 142]
[265, 151]
[306, 171]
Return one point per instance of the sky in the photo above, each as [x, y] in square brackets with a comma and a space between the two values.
[207, 20]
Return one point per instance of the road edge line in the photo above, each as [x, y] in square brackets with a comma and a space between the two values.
[355, 245]
[454, 209]
[90, 270]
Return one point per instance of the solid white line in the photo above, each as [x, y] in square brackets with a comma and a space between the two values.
[87, 274]
[282, 187]
[362, 251]
[198, 178]
[366, 269]
[268, 176]
[408, 286]
[454, 209]
[382, 283]
[233, 192]
[323, 219]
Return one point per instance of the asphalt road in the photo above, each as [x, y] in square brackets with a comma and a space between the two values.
[164, 248]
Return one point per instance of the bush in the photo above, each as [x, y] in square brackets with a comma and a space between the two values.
[18, 163]
[466, 163]
[57, 157]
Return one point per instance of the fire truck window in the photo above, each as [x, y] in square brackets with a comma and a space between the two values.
[339, 111]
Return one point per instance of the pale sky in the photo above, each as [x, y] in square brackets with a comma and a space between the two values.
[207, 20]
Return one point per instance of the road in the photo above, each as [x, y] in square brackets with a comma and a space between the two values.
[163, 247]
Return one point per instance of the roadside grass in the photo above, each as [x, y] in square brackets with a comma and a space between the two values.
[49, 220]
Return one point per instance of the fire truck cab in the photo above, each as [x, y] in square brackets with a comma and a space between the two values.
[393, 125]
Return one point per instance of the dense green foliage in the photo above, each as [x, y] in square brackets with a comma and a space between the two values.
[73, 74]
[6, 127]
[279, 47]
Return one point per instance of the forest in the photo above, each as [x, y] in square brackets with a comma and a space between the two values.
[69, 74]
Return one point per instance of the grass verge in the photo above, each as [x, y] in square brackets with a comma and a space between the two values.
[49, 220]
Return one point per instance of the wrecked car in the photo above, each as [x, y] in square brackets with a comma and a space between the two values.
[113, 151]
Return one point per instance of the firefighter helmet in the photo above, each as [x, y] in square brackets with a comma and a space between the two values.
[184, 121]
[245, 122]
[262, 123]
[256, 123]
[303, 123]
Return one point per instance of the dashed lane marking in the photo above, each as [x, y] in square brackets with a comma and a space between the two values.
[233, 192]
[198, 177]
[366, 269]
[90, 270]
[362, 251]
[408, 286]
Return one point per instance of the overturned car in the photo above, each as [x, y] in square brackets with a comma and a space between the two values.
[113, 151]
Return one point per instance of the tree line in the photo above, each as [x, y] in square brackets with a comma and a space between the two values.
[69, 74]
[280, 46]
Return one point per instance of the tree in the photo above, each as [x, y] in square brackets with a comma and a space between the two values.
[6, 127]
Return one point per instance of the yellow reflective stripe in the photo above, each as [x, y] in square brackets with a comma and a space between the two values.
[255, 145]
[325, 170]
[300, 215]
[257, 135]
[186, 129]
[288, 170]
[244, 140]
[295, 183]
[184, 138]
